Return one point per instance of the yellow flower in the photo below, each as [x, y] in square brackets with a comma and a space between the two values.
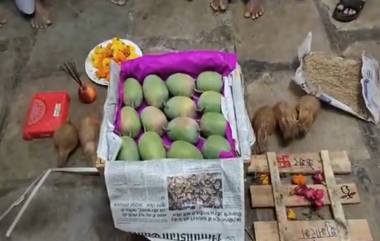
[97, 62]
[264, 179]
[99, 50]
[116, 50]
[132, 56]
[292, 215]
[132, 48]
[118, 56]
[109, 46]
[115, 40]
[106, 62]
[102, 72]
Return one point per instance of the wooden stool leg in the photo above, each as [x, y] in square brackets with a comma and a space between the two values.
[336, 205]
[278, 195]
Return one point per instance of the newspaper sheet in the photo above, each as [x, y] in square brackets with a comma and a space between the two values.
[178, 199]
[370, 83]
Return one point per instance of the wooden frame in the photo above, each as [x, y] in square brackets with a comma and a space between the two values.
[320, 230]
[279, 196]
[262, 195]
[301, 163]
[100, 163]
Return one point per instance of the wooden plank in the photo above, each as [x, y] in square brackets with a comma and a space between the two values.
[278, 196]
[100, 164]
[319, 230]
[261, 195]
[336, 205]
[307, 163]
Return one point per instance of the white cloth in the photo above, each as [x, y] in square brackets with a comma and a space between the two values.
[26, 6]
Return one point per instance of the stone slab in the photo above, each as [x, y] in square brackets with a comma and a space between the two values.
[64, 210]
[370, 47]
[276, 36]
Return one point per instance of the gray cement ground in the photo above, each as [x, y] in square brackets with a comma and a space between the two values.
[71, 207]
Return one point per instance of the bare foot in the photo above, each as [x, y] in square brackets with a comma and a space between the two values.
[254, 9]
[219, 5]
[119, 2]
[40, 19]
[3, 20]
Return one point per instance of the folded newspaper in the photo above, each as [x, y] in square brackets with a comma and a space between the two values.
[355, 88]
[179, 199]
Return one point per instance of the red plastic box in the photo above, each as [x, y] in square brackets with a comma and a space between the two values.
[47, 111]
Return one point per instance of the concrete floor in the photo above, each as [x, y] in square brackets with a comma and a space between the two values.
[72, 207]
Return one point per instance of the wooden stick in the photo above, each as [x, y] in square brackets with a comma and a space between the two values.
[66, 68]
[76, 73]
[307, 163]
[278, 196]
[70, 69]
[318, 230]
[336, 205]
[262, 196]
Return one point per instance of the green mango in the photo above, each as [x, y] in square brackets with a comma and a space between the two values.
[129, 150]
[214, 145]
[155, 91]
[180, 106]
[183, 128]
[133, 94]
[130, 122]
[184, 150]
[180, 85]
[153, 119]
[210, 101]
[213, 123]
[151, 146]
[209, 80]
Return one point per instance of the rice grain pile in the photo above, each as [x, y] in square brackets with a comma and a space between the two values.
[337, 77]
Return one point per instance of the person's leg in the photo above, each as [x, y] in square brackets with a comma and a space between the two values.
[41, 16]
[119, 2]
[219, 5]
[3, 19]
[254, 9]
[35, 8]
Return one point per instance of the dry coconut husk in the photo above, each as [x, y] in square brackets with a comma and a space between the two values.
[264, 124]
[337, 77]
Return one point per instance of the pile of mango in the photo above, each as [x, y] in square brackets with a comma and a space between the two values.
[116, 50]
[183, 109]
